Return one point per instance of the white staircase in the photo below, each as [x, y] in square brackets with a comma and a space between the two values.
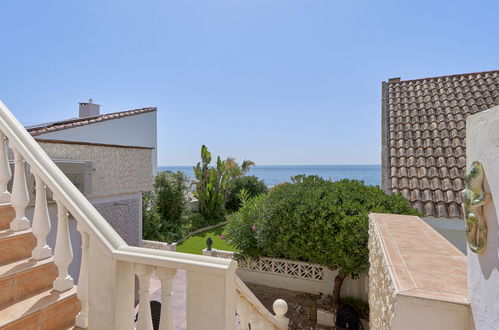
[106, 288]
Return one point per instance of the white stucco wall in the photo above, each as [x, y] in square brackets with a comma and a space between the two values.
[482, 144]
[354, 288]
[137, 130]
[453, 229]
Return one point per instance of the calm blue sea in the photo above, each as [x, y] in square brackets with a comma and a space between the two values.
[275, 174]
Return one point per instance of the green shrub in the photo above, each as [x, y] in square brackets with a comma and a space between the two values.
[314, 220]
[241, 229]
[151, 222]
[170, 191]
[164, 214]
[251, 184]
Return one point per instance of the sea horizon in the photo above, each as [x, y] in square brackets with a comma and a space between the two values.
[275, 174]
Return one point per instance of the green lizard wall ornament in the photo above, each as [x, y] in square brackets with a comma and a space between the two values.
[473, 200]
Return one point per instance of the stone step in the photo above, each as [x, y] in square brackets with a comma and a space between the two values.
[16, 245]
[24, 278]
[7, 213]
[48, 310]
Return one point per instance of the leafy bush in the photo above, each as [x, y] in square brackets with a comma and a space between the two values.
[164, 214]
[241, 229]
[314, 220]
[151, 221]
[170, 190]
[251, 184]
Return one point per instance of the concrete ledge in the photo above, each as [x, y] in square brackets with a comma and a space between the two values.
[424, 276]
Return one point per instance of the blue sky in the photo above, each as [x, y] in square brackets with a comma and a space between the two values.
[277, 82]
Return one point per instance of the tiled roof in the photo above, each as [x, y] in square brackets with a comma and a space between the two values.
[77, 122]
[424, 137]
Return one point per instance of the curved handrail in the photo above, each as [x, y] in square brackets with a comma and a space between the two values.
[83, 211]
[243, 290]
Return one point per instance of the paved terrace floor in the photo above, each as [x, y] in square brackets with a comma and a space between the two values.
[179, 298]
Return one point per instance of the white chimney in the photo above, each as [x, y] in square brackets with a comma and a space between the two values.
[89, 109]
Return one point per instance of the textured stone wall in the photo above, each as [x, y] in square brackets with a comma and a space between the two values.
[124, 216]
[381, 289]
[116, 170]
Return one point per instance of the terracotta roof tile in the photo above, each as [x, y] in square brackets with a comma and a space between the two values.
[70, 123]
[425, 129]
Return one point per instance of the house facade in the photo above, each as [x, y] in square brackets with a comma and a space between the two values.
[424, 142]
[110, 158]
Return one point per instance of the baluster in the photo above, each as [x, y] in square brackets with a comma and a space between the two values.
[19, 198]
[82, 293]
[5, 173]
[254, 320]
[63, 251]
[166, 277]
[280, 308]
[144, 273]
[242, 311]
[41, 221]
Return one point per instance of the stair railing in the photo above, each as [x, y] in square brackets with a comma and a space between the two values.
[254, 315]
[106, 287]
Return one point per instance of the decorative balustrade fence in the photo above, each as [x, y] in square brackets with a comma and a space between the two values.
[293, 275]
[290, 268]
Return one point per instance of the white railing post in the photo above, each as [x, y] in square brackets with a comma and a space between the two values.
[242, 311]
[63, 251]
[19, 198]
[211, 299]
[5, 173]
[82, 293]
[255, 320]
[144, 273]
[280, 308]
[166, 276]
[41, 221]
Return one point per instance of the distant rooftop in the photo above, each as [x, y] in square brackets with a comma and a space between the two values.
[424, 137]
[36, 130]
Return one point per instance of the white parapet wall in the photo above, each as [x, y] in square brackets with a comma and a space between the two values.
[293, 275]
[159, 245]
[482, 135]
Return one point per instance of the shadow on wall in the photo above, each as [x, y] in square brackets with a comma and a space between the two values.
[489, 261]
[453, 230]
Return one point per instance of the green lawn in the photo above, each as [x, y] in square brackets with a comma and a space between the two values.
[196, 243]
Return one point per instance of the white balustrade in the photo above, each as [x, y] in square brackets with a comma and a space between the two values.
[166, 276]
[63, 254]
[144, 273]
[255, 320]
[108, 264]
[82, 293]
[41, 221]
[280, 308]
[5, 173]
[243, 312]
[19, 198]
[252, 311]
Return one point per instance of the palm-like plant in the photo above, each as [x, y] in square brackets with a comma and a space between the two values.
[235, 170]
[213, 182]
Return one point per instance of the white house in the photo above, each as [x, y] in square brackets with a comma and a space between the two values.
[111, 158]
